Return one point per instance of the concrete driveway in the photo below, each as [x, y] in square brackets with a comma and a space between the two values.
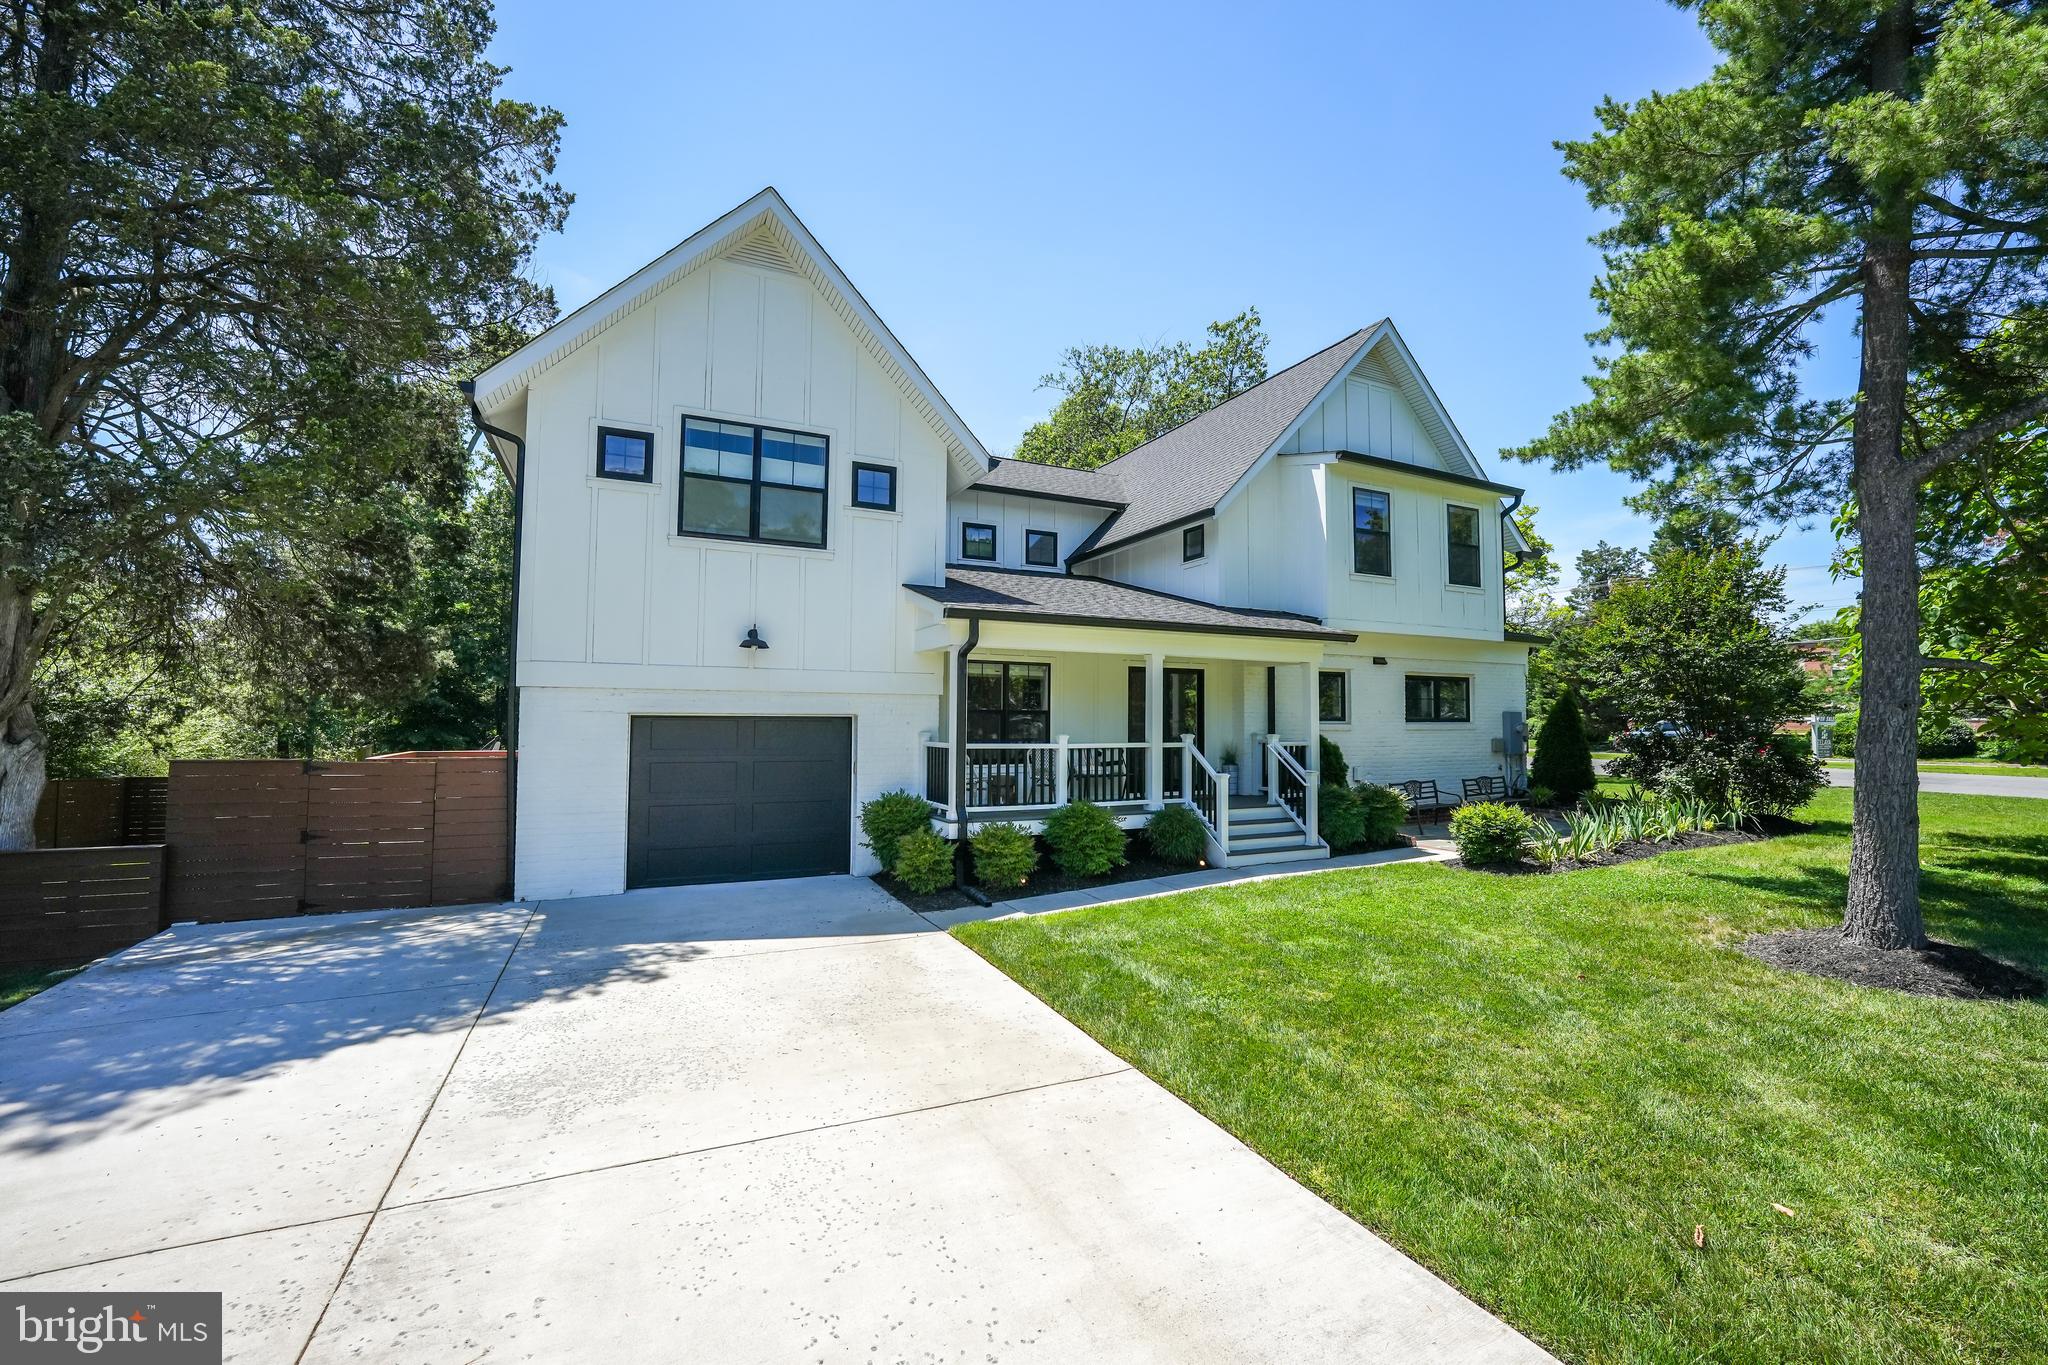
[786, 1121]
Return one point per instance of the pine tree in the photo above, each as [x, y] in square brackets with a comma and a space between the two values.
[1564, 760]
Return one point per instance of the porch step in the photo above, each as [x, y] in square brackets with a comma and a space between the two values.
[1300, 853]
[1259, 843]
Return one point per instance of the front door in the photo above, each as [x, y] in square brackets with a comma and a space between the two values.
[1185, 712]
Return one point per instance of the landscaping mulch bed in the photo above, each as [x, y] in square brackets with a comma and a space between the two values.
[1767, 827]
[1942, 969]
[1047, 881]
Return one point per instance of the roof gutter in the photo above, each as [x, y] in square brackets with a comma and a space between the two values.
[517, 471]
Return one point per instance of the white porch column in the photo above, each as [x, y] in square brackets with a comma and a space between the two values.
[1059, 771]
[1155, 731]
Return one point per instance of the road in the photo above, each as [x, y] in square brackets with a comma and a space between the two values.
[1962, 784]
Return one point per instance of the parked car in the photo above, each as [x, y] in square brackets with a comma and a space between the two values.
[1661, 729]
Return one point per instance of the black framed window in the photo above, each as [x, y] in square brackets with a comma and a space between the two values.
[1008, 703]
[977, 540]
[1372, 534]
[1333, 697]
[1463, 524]
[623, 454]
[1439, 698]
[874, 487]
[745, 482]
[1194, 543]
[1042, 548]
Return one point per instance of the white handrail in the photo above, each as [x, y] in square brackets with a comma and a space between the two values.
[1194, 755]
[1281, 758]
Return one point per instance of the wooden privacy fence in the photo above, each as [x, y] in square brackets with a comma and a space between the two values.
[261, 837]
[89, 812]
[63, 904]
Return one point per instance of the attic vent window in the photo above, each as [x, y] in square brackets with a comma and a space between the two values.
[762, 251]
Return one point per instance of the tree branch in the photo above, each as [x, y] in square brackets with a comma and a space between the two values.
[1976, 434]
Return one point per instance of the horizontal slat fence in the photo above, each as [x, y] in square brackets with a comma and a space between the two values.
[94, 812]
[257, 838]
[65, 904]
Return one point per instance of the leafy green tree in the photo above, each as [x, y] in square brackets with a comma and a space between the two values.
[1113, 399]
[1880, 157]
[1530, 578]
[1564, 760]
[239, 245]
[1699, 642]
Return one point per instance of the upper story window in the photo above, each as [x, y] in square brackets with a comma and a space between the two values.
[625, 454]
[1194, 543]
[1042, 548]
[1439, 698]
[1372, 536]
[1463, 523]
[752, 483]
[977, 541]
[1333, 693]
[874, 487]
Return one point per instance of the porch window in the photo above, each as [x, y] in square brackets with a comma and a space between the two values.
[752, 483]
[1439, 698]
[625, 454]
[1464, 535]
[977, 541]
[1009, 703]
[1372, 537]
[1333, 691]
[1042, 548]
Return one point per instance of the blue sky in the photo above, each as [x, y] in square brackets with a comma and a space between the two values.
[1006, 181]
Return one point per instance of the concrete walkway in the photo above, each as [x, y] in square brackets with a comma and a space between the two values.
[787, 1121]
[1961, 784]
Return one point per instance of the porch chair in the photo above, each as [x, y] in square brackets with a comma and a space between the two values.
[1493, 789]
[1424, 800]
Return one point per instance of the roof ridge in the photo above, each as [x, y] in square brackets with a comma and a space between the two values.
[1243, 392]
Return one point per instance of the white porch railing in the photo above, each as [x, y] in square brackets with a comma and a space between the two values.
[1208, 791]
[1291, 786]
[1035, 775]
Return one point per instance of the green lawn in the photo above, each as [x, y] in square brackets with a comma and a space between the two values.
[1962, 765]
[1539, 1086]
[19, 983]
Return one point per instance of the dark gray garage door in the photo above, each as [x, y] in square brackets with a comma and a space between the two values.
[730, 798]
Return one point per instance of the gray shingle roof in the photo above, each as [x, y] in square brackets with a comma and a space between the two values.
[1052, 481]
[1186, 472]
[1014, 594]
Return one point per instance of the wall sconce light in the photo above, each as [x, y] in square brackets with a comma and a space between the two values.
[1380, 659]
[753, 640]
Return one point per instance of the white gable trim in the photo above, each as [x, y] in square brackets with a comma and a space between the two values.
[503, 383]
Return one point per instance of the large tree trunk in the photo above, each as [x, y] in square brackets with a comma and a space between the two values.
[1883, 908]
[21, 739]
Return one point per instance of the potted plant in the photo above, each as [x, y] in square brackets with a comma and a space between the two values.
[1229, 765]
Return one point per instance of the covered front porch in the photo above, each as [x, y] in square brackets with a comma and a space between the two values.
[1132, 717]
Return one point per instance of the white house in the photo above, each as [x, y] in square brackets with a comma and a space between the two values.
[765, 573]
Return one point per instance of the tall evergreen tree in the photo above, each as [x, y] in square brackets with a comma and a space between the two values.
[1882, 157]
[1564, 760]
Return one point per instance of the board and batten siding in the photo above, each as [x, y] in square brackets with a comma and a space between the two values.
[614, 596]
[1012, 515]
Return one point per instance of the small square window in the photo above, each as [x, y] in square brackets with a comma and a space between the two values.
[625, 454]
[1193, 543]
[1042, 548]
[874, 486]
[977, 541]
[1333, 691]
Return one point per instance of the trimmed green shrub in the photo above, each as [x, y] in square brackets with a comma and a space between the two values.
[1564, 758]
[1331, 755]
[924, 861]
[1084, 839]
[1941, 737]
[1489, 834]
[1340, 819]
[1004, 855]
[1384, 810]
[1177, 836]
[886, 819]
[1772, 778]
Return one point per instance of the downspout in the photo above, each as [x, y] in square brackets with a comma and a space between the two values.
[1507, 522]
[476, 417]
[960, 750]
